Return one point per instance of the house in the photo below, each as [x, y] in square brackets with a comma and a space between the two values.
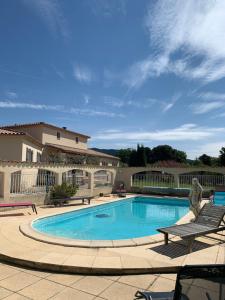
[43, 142]
[19, 146]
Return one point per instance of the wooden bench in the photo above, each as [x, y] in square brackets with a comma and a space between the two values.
[19, 204]
[84, 199]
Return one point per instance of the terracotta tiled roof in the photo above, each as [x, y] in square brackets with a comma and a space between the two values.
[10, 132]
[81, 151]
[20, 126]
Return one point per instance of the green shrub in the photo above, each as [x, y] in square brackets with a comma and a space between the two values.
[60, 193]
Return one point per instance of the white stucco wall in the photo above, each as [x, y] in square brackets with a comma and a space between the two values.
[35, 148]
[49, 135]
[10, 147]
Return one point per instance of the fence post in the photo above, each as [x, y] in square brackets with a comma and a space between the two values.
[6, 186]
[176, 180]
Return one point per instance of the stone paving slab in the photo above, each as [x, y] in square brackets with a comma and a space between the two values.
[152, 256]
[66, 286]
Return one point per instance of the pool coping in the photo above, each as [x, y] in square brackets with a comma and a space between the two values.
[27, 230]
[19, 250]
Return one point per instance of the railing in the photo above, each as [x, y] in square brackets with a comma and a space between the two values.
[82, 182]
[207, 181]
[31, 183]
[156, 180]
[185, 180]
[102, 180]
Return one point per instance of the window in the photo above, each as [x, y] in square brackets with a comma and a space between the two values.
[77, 139]
[58, 135]
[29, 155]
[38, 157]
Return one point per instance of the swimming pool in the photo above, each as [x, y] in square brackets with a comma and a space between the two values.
[219, 198]
[123, 219]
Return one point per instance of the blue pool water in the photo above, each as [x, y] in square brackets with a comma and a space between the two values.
[124, 219]
[219, 198]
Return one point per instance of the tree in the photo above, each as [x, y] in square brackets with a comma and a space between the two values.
[166, 152]
[148, 153]
[124, 155]
[206, 159]
[141, 156]
[133, 162]
[222, 157]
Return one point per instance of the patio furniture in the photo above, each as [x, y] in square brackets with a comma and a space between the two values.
[199, 282]
[19, 204]
[85, 199]
[121, 191]
[208, 221]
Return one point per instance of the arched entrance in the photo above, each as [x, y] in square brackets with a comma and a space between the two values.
[103, 178]
[31, 181]
[76, 177]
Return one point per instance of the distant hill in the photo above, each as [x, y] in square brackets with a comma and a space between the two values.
[113, 152]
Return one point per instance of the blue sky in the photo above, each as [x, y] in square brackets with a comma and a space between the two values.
[124, 72]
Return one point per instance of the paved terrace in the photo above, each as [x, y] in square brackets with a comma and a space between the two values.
[23, 284]
[36, 274]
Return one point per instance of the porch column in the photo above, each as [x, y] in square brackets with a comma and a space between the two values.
[177, 180]
[5, 193]
[112, 179]
[59, 178]
[91, 183]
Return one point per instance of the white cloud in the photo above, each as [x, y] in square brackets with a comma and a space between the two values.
[194, 29]
[113, 101]
[169, 105]
[59, 108]
[204, 107]
[141, 103]
[82, 73]
[211, 149]
[210, 101]
[86, 99]
[93, 112]
[185, 132]
[108, 8]
[11, 95]
[51, 13]
[59, 73]
[212, 96]
[10, 104]
[142, 70]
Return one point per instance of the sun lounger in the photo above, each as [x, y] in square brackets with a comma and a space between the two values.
[210, 220]
[205, 282]
[19, 204]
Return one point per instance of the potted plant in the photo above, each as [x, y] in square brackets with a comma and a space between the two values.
[60, 194]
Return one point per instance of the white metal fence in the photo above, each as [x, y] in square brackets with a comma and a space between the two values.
[156, 180]
[102, 180]
[185, 180]
[207, 181]
[31, 183]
